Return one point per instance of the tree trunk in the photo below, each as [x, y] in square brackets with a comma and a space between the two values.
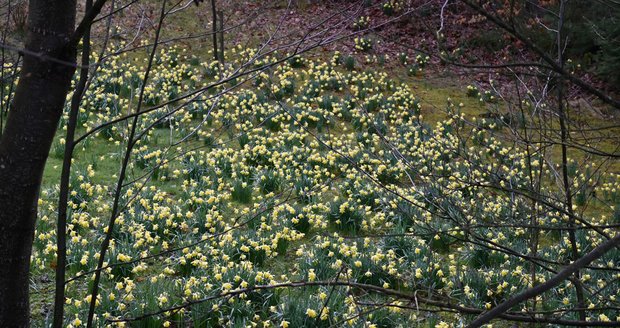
[49, 64]
[214, 11]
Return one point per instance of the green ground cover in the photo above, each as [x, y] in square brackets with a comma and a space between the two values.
[291, 176]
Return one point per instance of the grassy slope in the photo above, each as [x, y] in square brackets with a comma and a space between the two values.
[433, 93]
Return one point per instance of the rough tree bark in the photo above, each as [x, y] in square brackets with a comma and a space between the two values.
[49, 64]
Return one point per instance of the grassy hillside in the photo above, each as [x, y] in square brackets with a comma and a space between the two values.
[311, 171]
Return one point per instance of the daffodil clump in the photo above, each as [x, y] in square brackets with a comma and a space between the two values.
[303, 171]
[363, 43]
[362, 23]
[390, 7]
